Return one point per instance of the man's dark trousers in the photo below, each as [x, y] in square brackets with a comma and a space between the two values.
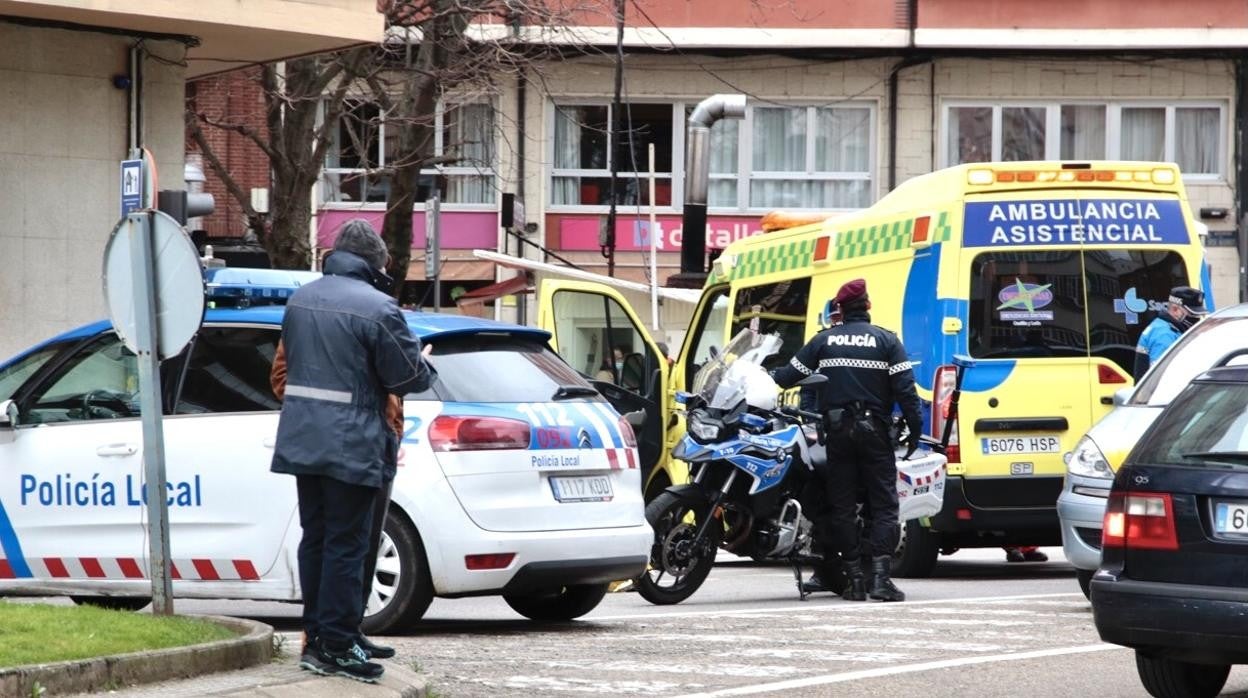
[858, 462]
[381, 504]
[335, 517]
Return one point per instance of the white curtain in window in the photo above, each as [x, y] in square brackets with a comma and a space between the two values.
[1083, 132]
[566, 190]
[1144, 133]
[780, 146]
[469, 133]
[842, 140]
[725, 139]
[1196, 139]
[780, 139]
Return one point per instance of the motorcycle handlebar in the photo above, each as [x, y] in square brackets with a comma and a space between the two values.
[795, 412]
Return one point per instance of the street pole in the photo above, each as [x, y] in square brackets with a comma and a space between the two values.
[143, 268]
[654, 247]
[434, 230]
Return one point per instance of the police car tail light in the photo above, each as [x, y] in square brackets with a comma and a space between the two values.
[942, 399]
[1140, 521]
[1106, 375]
[459, 433]
[488, 561]
[627, 433]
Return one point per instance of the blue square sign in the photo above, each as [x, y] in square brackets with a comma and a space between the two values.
[131, 186]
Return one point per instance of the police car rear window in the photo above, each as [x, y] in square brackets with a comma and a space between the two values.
[497, 368]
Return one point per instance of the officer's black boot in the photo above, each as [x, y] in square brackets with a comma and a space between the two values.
[882, 587]
[856, 581]
[822, 579]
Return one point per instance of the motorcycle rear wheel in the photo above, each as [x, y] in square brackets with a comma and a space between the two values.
[675, 523]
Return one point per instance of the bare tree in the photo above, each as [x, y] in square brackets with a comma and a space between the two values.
[294, 138]
[434, 48]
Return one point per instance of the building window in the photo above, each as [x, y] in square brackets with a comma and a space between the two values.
[364, 150]
[584, 151]
[811, 157]
[778, 156]
[1190, 134]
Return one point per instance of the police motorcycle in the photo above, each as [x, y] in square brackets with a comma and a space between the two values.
[753, 477]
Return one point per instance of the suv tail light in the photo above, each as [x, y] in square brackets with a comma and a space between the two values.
[942, 399]
[627, 433]
[455, 433]
[1140, 521]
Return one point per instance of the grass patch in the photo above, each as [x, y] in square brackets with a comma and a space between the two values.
[38, 633]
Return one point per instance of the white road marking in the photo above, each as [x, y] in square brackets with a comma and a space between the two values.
[893, 671]
[834, 605]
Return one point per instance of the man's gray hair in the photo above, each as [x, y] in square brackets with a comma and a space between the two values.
[358, 237]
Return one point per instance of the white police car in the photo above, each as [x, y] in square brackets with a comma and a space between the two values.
[515, 478]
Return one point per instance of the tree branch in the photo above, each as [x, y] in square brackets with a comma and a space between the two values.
[245, 131]
[214, 162]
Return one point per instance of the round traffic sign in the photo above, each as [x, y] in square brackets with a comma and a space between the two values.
[176, 281]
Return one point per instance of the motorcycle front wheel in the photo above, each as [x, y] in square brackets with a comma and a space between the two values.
[677, 568]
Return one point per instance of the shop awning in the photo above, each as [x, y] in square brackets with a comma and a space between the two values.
[485, 294]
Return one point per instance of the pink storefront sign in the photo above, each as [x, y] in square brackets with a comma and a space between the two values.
[461, 230]
[632, 233]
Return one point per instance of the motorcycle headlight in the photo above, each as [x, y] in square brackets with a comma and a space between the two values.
[1088, 461]
[702, 429]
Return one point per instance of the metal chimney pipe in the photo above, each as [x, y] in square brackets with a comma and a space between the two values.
[698, 175]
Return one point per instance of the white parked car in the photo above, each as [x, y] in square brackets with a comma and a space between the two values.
[1090, 467]
[516, 478]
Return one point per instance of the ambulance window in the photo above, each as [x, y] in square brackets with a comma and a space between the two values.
[100, 381]
[229, 371]
[780, 308]
[598, 339]
[1027, 304]
[707, 333]
[1126, 291]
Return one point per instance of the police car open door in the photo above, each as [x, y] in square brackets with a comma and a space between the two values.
[595, 330]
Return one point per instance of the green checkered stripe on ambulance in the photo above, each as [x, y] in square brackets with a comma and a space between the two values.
[888, 237]
[776, 258]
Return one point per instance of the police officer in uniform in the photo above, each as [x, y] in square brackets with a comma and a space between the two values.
[868, 373]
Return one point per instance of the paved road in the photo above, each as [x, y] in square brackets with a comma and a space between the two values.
[980, 627]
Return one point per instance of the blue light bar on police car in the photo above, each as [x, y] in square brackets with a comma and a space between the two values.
[226, 286]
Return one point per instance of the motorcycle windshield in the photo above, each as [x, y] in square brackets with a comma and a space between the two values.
[718, 385]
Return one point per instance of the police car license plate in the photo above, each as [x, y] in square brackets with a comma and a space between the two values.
[1021, 444]
[587, 488]
[1230, 518]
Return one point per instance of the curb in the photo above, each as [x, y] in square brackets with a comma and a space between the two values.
[398, 682]
[253, 646]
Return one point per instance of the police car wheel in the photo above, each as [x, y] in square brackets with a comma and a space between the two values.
[402, 589]
[114, 603]
[917, 550]
[564, 603]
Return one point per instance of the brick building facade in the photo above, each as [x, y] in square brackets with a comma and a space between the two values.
[234, 97]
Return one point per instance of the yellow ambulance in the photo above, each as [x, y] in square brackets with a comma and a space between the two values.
[1036, 277]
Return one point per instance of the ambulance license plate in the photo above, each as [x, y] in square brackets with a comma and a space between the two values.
[587, 488]
[1230, 518]
[1007, 445]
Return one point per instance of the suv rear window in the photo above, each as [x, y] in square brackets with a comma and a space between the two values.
[1055, 303]
[497, 368]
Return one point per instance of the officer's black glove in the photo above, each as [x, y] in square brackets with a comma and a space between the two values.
[912, 443]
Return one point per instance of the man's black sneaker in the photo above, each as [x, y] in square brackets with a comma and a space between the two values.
[374, 650]
[307, 652]
[351, 663]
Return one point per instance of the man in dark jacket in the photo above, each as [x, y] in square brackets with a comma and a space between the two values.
[868, 373]
[347, 348]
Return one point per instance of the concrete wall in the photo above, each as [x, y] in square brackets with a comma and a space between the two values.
[63, 131]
